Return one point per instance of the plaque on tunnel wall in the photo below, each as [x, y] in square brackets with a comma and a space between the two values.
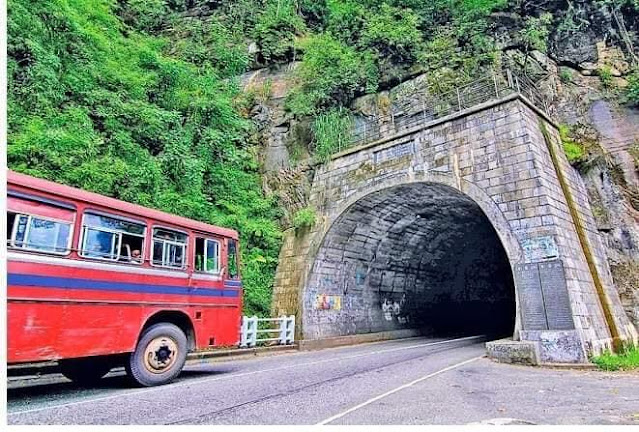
[531, 300]
[543, 296]
[555, 294]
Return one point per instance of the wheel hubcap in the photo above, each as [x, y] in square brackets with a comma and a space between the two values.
[160, 354]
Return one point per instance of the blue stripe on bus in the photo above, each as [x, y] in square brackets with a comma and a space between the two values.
[91, 284]
[232, 283]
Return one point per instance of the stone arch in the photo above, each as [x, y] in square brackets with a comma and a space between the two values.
[470, 191]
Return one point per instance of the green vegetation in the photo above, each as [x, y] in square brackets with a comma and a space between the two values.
[331, 74]
[574, 151]
[332, 132]
[632, 91]
[565, 74]
[605, 76]
[626, 360]
[96, 104]
[276, 30]
[304, 218]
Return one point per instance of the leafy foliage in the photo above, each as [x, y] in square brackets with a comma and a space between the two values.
[535, 33]
[574, 151]
[97, 105]
[632, 91]
[276, 29]
[304, 218]
[393, 33]
[331, 73]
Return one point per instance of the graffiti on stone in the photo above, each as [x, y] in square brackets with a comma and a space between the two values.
[393, 308]
[328, 302]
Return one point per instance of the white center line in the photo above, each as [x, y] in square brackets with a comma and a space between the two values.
[218, 378]
[395, 390]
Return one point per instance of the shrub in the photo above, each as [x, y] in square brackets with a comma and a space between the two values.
[565, 75]
[632, 91]
[393, 33]
[330, 74]
[345, 20]
[535, 33]
[304, 218]
[145, 15]
[276, 30]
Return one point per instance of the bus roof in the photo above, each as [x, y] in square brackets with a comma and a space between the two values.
[69, 194]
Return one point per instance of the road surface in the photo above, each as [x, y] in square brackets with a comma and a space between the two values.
[411, 381]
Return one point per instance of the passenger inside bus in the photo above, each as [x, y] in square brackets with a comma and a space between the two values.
[136, 256]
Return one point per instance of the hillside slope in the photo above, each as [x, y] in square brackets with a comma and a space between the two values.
[214, 109]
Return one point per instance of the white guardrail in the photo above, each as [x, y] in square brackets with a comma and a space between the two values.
[280, 329]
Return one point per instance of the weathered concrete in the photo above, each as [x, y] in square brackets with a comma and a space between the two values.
[423, 221]
[510, 351]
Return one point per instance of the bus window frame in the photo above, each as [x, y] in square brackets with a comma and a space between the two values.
[219, 269]
[29, 216]
[164, 241]
[83, 227]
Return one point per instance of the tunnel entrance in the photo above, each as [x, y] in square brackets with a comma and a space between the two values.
[419, 256]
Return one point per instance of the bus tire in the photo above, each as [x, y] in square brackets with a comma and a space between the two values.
[85, 371]
[159, 355]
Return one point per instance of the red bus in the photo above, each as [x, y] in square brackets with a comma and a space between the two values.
[95, 283]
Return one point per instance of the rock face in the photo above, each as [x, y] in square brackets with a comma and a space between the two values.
[586, 38]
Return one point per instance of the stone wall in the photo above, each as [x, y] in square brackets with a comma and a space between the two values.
[496, 155]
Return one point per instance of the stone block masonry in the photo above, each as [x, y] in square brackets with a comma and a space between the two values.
[441, 224]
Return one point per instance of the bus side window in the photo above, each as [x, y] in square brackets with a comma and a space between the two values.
[169, 248]
[232, 260]
[207, 255]
[39, 234]
[113, 239]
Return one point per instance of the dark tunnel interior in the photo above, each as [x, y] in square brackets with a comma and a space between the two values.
[420, 256]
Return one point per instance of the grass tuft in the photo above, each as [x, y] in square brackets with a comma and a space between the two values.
[626, 360]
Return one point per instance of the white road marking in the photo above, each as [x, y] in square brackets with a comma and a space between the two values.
[395, 390]
[211, 379]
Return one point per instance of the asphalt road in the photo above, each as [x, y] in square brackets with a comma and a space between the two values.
[411, 381]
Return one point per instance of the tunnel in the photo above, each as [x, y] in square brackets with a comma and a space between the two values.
[418, 256]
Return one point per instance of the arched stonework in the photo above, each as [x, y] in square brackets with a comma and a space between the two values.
[384, 241]
[498, 157]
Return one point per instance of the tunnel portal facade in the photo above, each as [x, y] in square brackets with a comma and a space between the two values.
[471, 224]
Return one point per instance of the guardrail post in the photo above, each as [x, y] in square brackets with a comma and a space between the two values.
[290, 329]
[244, 332]
[248, 336]
[282, 330]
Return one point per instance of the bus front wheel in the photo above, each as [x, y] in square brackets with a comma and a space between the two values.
[85, 371]
[159, 355]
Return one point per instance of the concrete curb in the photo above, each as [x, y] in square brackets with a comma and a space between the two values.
[575, 366]
[241, 352]
[332, 342]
